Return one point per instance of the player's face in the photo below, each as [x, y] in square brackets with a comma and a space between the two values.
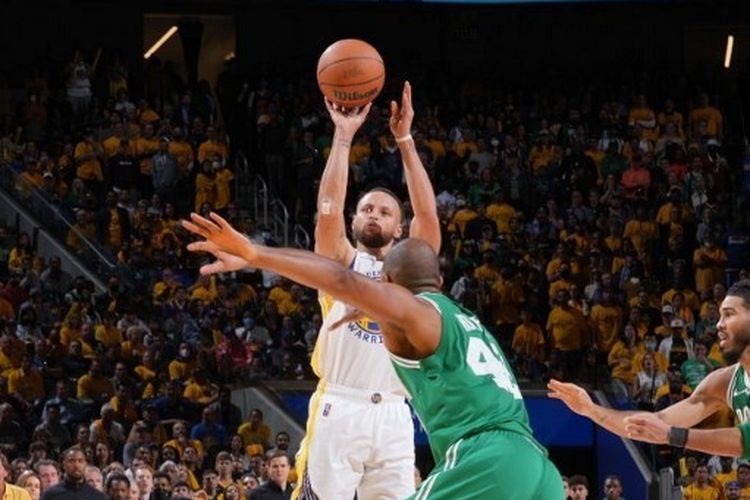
[377, 221]
[733, 328]
[612, 489]
[579, 492]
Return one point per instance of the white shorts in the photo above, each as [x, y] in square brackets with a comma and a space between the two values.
[359, 441]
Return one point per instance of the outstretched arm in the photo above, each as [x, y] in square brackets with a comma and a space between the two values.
[330, 229]
[707, 399]
[411, 327]
[726, 442]
[425, 224]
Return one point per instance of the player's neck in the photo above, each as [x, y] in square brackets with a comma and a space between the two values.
[379, 252]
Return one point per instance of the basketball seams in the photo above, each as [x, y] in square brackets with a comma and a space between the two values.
[368, 58]
[380, 76]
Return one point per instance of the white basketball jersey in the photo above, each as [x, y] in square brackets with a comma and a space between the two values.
[353, 354]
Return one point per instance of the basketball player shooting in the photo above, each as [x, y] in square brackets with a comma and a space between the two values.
[359, 431]
[456, 374]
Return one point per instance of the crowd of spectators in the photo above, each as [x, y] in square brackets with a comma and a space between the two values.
[590, 232]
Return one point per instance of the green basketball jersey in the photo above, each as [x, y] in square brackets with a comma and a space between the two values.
[738, 394]
[465, 386]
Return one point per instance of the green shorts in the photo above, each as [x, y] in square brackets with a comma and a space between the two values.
[493, 465]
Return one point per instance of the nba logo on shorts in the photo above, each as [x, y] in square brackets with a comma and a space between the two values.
[326, 409]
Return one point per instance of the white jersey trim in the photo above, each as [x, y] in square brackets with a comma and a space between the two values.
[403, 362]
[730, 388]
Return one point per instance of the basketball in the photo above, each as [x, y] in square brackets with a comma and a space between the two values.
[351, 73]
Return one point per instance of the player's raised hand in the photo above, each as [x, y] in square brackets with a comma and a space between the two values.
[647, 427]
[347, 121]
[572, 395]
[402, 116]
[222, 236]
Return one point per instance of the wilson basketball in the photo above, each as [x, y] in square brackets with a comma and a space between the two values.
[351, 73]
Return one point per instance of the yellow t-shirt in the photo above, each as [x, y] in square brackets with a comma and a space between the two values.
[279, 295]
[359, 152]
[606, 322]
[501, 215]
[111, 144]
[183, 152]
[566, 328]
[707, 492]
[620, 360]
[437, 147]
[108, 337]
[204, 190]
[93, 388]
[91, 169]
[196, 393]
[529, 340]
[724, 478]
[146, 147]
[691, 298]
[261, 435]
[180, 449]
[540, 157]
[708, 274]
[29, 386]
[180, 370]
[640, 233]
[210, 149]
[15, 493]
[463, 148]
[505, 298]
[222, 184]
[711, 115]
[462, 217]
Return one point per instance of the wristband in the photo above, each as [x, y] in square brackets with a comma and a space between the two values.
[403, 138]
[677, 437]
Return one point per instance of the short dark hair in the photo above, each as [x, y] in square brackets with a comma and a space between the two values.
[163, 474]
[46, 461]
[613, 477]
[740, 289]
[579, 479]
[278, 454]
[116, 478]
[743, 465]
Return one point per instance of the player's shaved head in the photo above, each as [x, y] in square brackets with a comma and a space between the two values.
[412, 263]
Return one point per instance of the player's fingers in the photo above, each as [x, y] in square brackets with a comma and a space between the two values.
[202, 246]
[212, 268]
[394, 110]
[365, 110]
[194, 229]
[407, 93]
[204, 223]
[218, 219]
[559, 386]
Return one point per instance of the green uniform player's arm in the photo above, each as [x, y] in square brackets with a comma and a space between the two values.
[707, 399]
[411, 327]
